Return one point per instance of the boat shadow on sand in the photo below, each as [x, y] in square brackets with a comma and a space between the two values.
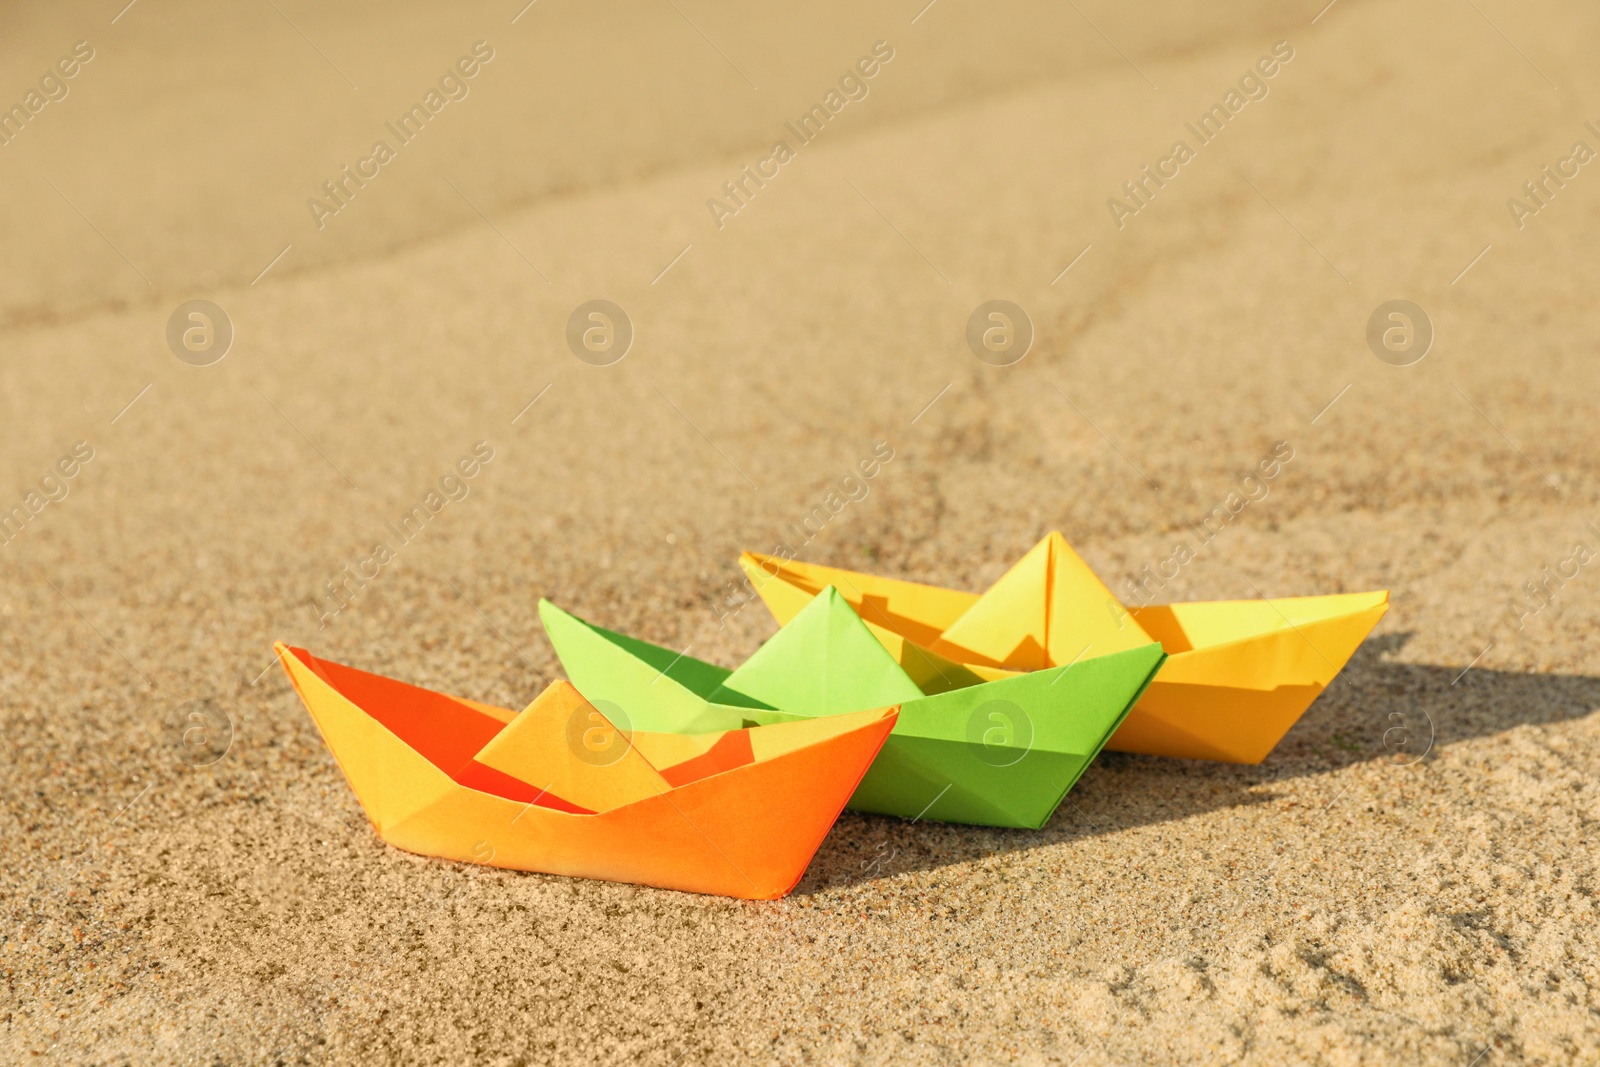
[1376, 710]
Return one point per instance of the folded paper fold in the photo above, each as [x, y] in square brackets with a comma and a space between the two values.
[1238, 674]
[562, 789]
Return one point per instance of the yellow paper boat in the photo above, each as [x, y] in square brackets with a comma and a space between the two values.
[557, 788]
[1238, 675]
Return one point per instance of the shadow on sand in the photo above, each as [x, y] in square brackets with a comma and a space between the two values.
[1376, 709]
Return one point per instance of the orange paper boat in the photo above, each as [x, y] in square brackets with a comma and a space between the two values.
[557, 789]
[1238, 673]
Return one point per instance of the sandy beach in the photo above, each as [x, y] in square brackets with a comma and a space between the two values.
[1409, 878]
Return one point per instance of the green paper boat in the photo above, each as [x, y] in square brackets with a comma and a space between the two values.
[1001, 753]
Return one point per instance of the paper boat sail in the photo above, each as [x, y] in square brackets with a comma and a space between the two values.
[558, 788]
[1238, 674]
[1001, 753]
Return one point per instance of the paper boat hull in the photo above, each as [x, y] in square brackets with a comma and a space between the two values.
[930, 780]
[1273, 675]
[747, 832]
[1004, 753]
